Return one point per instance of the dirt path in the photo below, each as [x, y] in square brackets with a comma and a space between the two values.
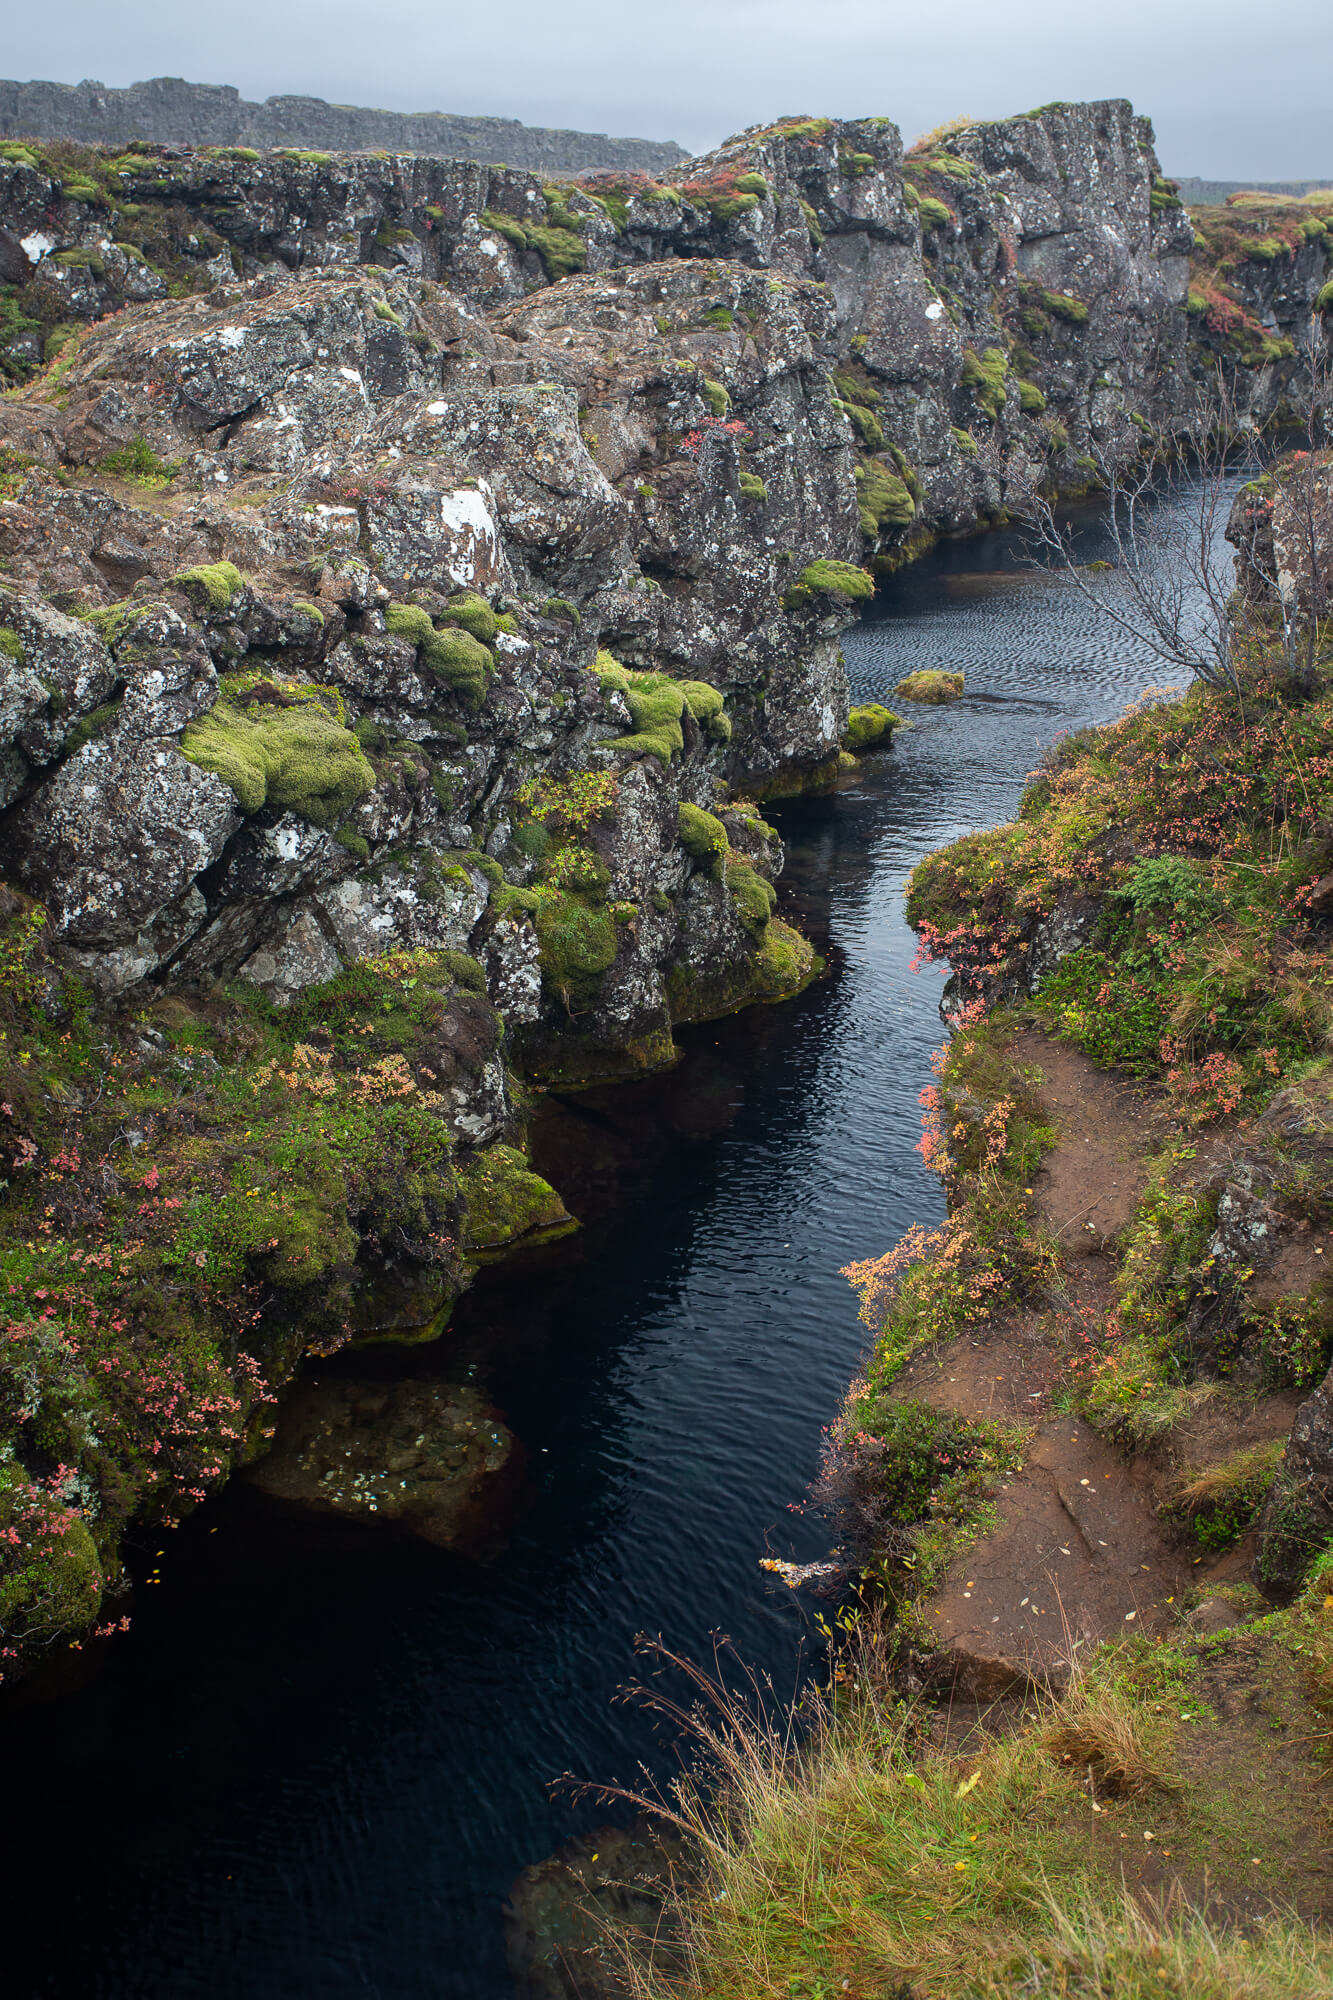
[1091, 1180]
[1077, 1552]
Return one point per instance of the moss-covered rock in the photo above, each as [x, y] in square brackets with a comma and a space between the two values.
[752, 893]
[657, 703]
[279, 746]
[705, 703]
[473, 614]
[578, 941]
[883, 498]
[932, 685]
[211, 586]
[829, 579]
[986, 375]
[702, 835]
[504, 1200]
[868, 726]
[457, 657]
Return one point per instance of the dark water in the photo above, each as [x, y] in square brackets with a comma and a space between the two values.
[320, 1757]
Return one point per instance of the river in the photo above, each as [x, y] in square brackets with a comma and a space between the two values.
[320, 1756]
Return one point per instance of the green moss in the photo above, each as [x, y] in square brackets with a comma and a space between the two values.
[705, 703]
[503, 1200]
[1065, 307]
[702, 835]
[308, 610]
[455, 657]
[985, 375]
[883, 498]
[721, 316]
[930, 685]
[727, 207]
[716, 397]
[867, 425]
[784, 963]
[752, 893]
[752, 487]
[657, 703]
[578, 943]
[854, 386]
[830, 579]
[11, 645]
[1030, 399]
[965, 441]
[507, 226]
[383, 310]
[560, 607]
[92, 725]
[84, 259]
[292, 755]
[752, 184]
[934, 214]
[473, 614]
[211, 586]
[560, 250]
[1324, 301]
[869, 725]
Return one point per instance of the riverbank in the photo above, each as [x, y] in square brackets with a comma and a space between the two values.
[1086, 1470]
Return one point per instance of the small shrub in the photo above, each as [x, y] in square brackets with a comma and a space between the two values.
[139, 463]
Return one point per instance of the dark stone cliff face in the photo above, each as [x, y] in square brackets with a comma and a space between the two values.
[170, 111]
[411, 575]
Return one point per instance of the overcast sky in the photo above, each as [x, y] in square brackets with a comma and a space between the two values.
[1235, 91]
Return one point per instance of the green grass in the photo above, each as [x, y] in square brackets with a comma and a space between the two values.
[857, 1856]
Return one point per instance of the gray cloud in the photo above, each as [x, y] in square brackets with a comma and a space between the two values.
[1228, 98]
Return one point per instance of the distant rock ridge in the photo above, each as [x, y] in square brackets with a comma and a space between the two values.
[170, 111]
[1199, 190]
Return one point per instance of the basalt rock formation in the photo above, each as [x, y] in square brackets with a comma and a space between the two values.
[412, 574]
[169, 110]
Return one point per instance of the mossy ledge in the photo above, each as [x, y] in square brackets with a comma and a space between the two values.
[199, 1193]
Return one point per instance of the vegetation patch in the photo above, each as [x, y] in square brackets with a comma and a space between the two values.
[826, 578]
[869, 727]
[282, 745]
[930, 685]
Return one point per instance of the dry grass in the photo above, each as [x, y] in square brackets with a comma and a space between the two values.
[864, 1854]
[1124, 1952]
[1238, 1477]
[1113, 1740]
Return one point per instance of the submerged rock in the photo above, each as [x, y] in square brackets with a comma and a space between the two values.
[930, 685]
[566, 1914]
[425, 1456]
